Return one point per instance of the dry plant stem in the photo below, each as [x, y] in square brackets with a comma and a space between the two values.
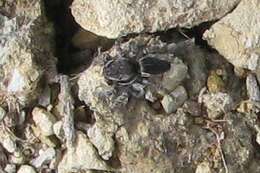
[67, 110]
[219, 146]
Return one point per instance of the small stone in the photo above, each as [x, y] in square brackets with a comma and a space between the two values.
[174, 100]
[45, 157]
[192, 107]
[215, 83]
[9, 144]
[2, 113]
[44, 120]
[175, 75]
[58, 129]
[203, 168]
[253, 89]
[217, 104]
[10, 168]
[26, 169]
[17, 158]
[82, 156]
[103, 140]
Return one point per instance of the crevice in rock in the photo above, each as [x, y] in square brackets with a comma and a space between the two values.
[71, 58]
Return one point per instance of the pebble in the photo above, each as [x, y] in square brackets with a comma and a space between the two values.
[253, 89]
[26, 169]
[174, 100]
[58, 129]
[215, 83]
[203, 168]
[9, 144]
[175, 75]
[17, 158]
[217, 104]
[10, 168]
[44, 120]
[44, 157]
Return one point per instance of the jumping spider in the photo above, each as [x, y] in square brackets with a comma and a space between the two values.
[128, 74]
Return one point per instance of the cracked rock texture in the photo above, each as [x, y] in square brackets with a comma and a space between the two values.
[21, 55]
[237, 35]
[114, 18]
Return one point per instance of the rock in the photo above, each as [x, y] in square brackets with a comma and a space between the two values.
[237, 146]
[195, 58]
[10, 168]
[44, 157]
[175, 75]
[215, 83]
[237, 35]
[58, 129]
[101, 136]
[253, 90]
[26, 169]
[174, 100]
[9, 144]
[203, 168]
[217, 104]
[21, 57]
[44, 120]
[50, 141]
[2, 113]
[17, 158]
[112, 19]
[83, 156]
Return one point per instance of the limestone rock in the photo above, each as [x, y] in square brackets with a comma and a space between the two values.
[44, 120]
[44, 157]
[114, 18]
[82, 156]
[253, 90]
[175, 75]
[203, 168]
[195, 58]
[101, 136]
[237, 35]
[21, 55]
[174, 100]
[26, 169]
[217, 104]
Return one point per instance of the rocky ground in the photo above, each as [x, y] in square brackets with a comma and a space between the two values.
[129, 86]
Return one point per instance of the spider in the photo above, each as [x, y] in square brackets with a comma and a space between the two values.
[127, 73]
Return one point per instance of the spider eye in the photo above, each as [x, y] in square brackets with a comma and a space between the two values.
[152, 65]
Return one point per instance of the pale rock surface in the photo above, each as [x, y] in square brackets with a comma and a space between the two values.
[44, 120]
[175, 75]
[253, 90]
[82, 156]
[203, 168]
[44, 157]
[25, 42]
[237, 35]
[101, 136]
[218, 104]
[174, 100]
[26, 169]
[114, 18]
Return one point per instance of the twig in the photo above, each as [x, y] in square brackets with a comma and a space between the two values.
[67, 110]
